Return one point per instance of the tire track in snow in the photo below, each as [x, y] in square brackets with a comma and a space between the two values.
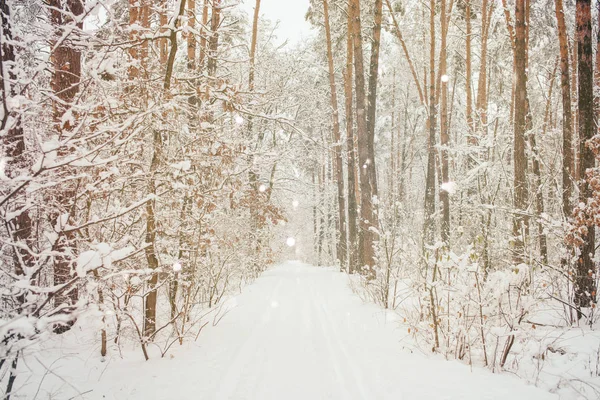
[339, 355]
[246, 353]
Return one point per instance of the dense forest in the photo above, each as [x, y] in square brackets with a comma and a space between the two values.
[158, 156]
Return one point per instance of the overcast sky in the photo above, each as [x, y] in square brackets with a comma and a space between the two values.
[291, 14]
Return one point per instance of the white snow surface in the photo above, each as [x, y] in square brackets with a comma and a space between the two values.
[300, 333]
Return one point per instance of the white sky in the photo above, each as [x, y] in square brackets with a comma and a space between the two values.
[290, 13]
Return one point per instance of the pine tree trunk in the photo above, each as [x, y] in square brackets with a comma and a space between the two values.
[429, 207]
[66, 61]
[191, 38]
[157, 145]
[406, 54]
[471, 139]
[584, 277]
[337, 146]
[203, 41]
[213, 42]
[444, 136]
[351, 155]
[483, 84]
[520, 220]
[368, 187]
[567, 123]
[163, 43]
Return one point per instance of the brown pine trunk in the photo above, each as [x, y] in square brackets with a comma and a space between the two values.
[368, 187]
[429, 207]
[585, 289]
[213, 42]
[597, 71]
[163, 43]
[574, 97]
[66, 61]
[191, 38]
[253, 45]
[482, 100]
[444, 136]
[203, 41]
[537, 173]
[339, 173]
[567, 123]
[157, 144]
[253, 177]
[472, 139]
[351, 155]
[405, 50]
[520, 220]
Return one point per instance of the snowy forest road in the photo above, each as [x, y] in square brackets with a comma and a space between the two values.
[299, 332]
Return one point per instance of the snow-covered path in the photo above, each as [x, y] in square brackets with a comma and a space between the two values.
[300, 333]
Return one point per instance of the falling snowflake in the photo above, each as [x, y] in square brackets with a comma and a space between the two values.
[177, 267]
[449, 187]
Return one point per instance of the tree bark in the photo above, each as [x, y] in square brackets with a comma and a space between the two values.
[66, 61]
[567, 122]
[368, 187]
[191, 38]
[444, 136]
[482, 100]
[429, 207]
[584, 276]
[337, 146]
[471, 139]
[520, 220]
[213, 42]
[351, 155]
[163, 42]
[157, 144]
[203, 41]
[406, 53]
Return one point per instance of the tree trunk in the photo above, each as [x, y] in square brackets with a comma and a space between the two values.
[213, 42]
[368, 187]
[65, 80]
[406, 54]
[471, 139]
[537, 173]
[429, 207]
[584, 276]
[351, 155]
[191, 38]
[203, 41]
[163, 43]
[337, 146]
[253, 45]
[157, 144]
[444, 136]
[567, 123]
[482, 100]
[520, 220]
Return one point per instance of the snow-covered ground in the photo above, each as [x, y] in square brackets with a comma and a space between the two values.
[298, 332]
